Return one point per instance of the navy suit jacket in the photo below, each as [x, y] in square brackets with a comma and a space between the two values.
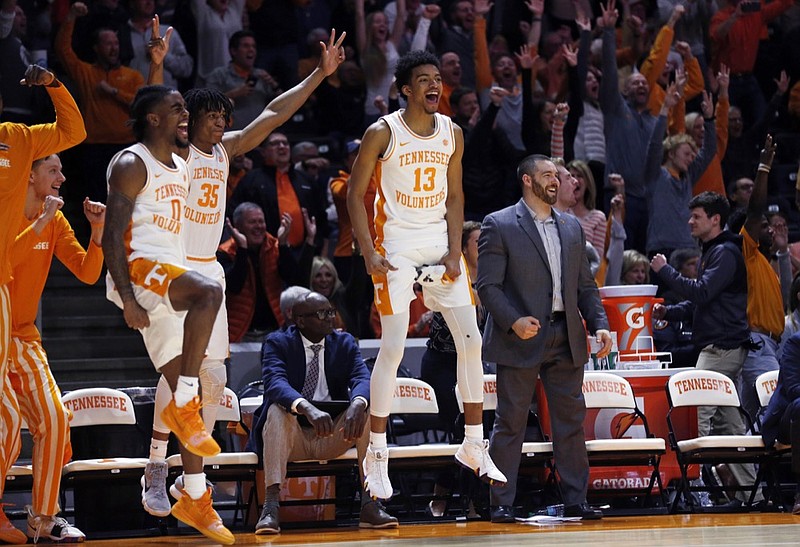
[283, 369]
[787, 393]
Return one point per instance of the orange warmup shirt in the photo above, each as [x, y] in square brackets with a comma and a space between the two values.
[338, 184]
[106, 116]
[764, 300]
[30, 260]
[654, 65]
[27, 143]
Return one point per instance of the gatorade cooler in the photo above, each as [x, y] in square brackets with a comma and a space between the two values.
[630, 312]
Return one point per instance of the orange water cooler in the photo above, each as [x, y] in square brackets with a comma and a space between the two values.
[630, 314]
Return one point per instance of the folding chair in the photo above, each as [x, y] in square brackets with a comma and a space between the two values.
[765, 387]
[766, 384]
[694, 388]
[104, 477]
[414, 410]
[415, 402]
[238, 467]
[603, 390]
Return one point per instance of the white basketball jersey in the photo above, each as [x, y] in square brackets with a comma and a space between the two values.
[157, 219]
[205, 206]
[411, 180]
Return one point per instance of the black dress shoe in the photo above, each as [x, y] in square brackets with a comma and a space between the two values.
[374, 515]
[584, 511]
[503, 513]
[269, 523]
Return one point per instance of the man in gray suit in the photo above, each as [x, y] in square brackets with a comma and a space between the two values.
[534, 279]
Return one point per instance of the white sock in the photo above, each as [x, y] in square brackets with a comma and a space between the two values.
[188, 388]
[158, 450]
[377, 440]
[195, 485]
[473, 433]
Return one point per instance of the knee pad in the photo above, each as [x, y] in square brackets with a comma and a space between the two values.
[162, 399]
[213, 377]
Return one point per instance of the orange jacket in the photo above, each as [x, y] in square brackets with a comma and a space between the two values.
[338, 184]
[712, 180]
[32, 255]
[25, 144]
[106, 116]
[654, 65]
[242, 306]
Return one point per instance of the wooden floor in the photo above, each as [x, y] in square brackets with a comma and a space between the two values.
[757, 530]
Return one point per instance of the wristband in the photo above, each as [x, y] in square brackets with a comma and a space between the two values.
[763, 167]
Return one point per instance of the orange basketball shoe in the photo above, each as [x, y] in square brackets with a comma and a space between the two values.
[188, 426]
[9, 533]
[202, 517]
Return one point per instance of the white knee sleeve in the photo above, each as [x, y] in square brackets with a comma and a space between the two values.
[382, 383]
[469, 366]
[213, 377]
[163, 397]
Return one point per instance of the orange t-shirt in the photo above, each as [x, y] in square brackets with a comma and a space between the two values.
[344, 247]
[32, 255]
[764, 300]
[25, 144]
[288, 203]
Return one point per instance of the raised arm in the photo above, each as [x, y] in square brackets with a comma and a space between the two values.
[63, 44]
[157, 48]
[68, 129]
[420, 40]
[611, 101]
[361, 27]
[709, 149]
[282, 107]
[758, 199]
[655, 150]
[399, 28]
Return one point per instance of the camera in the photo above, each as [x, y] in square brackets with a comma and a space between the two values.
[252, 80]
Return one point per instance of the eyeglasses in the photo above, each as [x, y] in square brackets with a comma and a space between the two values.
[321, 314]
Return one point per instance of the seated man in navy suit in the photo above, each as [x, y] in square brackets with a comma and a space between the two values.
[311, 362]
[781, 422]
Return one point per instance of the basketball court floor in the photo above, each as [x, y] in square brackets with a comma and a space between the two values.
[756, 529]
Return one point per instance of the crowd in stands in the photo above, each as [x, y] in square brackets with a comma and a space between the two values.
[642, 104]
[652, 102]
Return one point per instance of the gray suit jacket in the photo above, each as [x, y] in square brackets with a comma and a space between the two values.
[514, 281]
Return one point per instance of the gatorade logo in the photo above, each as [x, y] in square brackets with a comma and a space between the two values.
[634, 318]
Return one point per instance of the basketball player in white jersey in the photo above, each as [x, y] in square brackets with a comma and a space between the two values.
[208, 161]
[415, 156]
[148, 187]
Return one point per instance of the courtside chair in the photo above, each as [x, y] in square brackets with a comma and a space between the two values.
[765, 385]
[415, 404]
[612, 393]
[694, 388]
[232, 467]
[104, 474]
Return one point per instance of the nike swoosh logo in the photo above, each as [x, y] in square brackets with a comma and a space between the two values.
[157, 175]
[184, 382]
[404, 143]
